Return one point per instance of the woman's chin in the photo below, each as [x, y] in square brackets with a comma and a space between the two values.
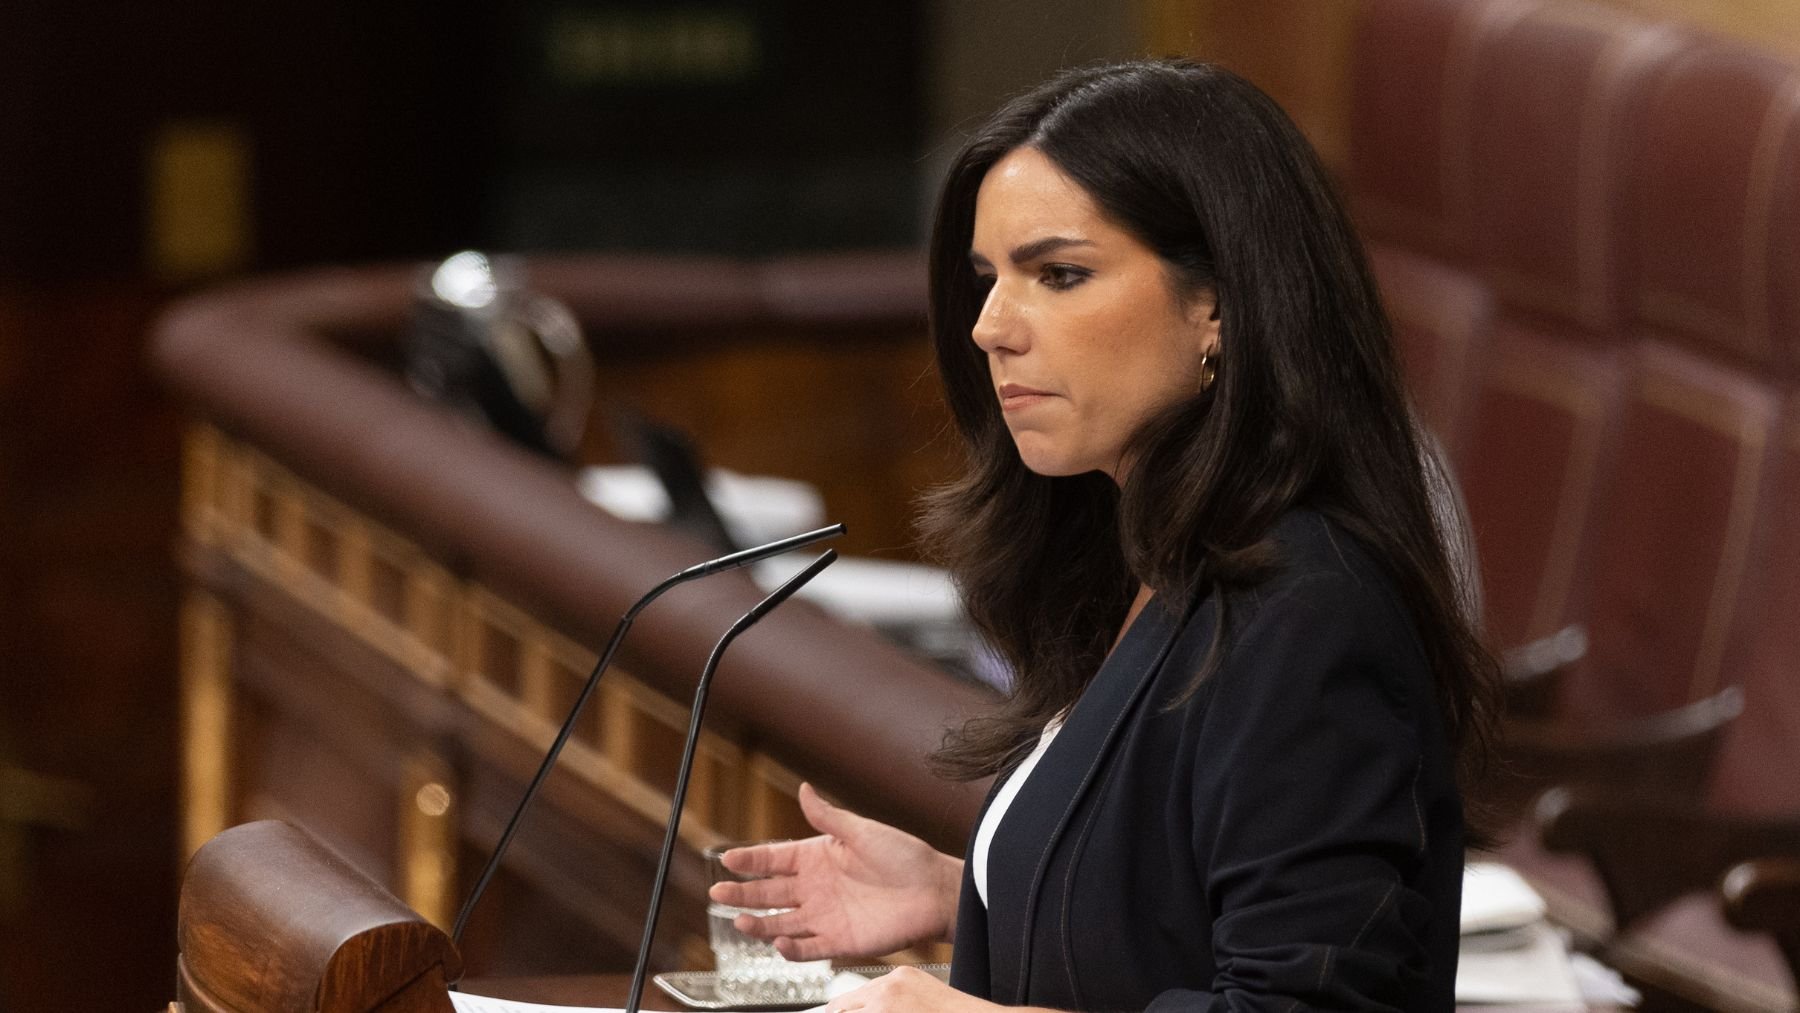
[1050, 465]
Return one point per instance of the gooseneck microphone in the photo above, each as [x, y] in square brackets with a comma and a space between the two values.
[695, 572]
[749, 619]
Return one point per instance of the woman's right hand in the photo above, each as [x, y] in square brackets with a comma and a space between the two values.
[860, 889]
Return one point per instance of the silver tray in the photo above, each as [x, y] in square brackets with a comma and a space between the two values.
[697, 989]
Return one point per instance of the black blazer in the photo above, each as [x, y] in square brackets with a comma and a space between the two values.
[1289, 837]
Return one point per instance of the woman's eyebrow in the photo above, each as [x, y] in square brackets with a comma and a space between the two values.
[1026, 252]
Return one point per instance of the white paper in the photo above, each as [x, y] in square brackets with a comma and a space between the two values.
[463, 1002]
[1495, 898]
[1536, 972]
[880, 592]
[845, 981]
[754, 508]
[757, 509]
[1601, 985]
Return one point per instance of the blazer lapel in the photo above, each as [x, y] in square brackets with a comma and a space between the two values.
[1041, 813]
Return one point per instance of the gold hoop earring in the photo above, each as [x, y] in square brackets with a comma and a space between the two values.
[1209, 371]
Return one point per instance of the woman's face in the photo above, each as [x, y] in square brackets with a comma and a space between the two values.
[1085, 334]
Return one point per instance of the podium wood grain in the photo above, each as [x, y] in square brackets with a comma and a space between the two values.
[271, 920]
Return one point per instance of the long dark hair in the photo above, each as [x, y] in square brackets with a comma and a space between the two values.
[1307, 407]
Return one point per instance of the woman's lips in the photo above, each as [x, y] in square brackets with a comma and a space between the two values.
[1014, 397]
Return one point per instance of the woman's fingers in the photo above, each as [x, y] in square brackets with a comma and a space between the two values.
[787, 923]
[780, 858]
[825, 817]
[804, 948]
[757, 893]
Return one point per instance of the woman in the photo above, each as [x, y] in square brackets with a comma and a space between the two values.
[1196, 523]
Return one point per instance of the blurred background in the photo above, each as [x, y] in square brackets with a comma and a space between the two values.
[149, 150]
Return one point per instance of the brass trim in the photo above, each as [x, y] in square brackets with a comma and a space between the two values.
[356, 560]
[617, 721]
[716, 793]
[431, 609]
[770, 799]
[428, 815]
[237, 497]
[206, 710]
[416, 643]
[202, 464]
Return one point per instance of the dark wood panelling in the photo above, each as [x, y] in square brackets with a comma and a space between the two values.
[87, 643]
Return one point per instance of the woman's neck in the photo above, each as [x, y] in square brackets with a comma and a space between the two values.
[1137, 605]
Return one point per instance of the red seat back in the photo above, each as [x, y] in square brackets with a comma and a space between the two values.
[1669, 543]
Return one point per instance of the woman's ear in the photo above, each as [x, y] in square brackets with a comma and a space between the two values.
[1203, 316]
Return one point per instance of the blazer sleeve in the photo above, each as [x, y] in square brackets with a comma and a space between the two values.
[1317, 751]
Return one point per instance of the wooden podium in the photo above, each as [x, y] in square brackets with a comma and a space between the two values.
[271, 920]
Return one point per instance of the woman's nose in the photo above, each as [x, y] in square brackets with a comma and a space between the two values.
[997, 326]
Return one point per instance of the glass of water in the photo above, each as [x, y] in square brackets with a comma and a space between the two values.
[750, 972]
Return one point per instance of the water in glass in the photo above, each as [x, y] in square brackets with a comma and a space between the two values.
[750, 972]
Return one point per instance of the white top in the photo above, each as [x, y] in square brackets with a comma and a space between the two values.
[990, 821]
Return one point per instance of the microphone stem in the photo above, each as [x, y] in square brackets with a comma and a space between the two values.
[641, 970]
[729, 562]
[679, 798]
[544, 768]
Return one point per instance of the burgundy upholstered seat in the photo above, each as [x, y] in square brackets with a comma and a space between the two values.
[1668, 546]
[1542, 410]
[1408, 115]
[1759, 767]
[1717, 161]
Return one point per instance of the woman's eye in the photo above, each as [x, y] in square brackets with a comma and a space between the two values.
[1062, 276]
[984, 282]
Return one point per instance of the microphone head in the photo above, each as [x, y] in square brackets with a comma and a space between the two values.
[792, 584]
[761, 552]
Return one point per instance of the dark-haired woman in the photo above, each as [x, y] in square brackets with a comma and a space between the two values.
[1196, 522]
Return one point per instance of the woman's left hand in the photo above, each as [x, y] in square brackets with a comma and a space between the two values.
[909, 990]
